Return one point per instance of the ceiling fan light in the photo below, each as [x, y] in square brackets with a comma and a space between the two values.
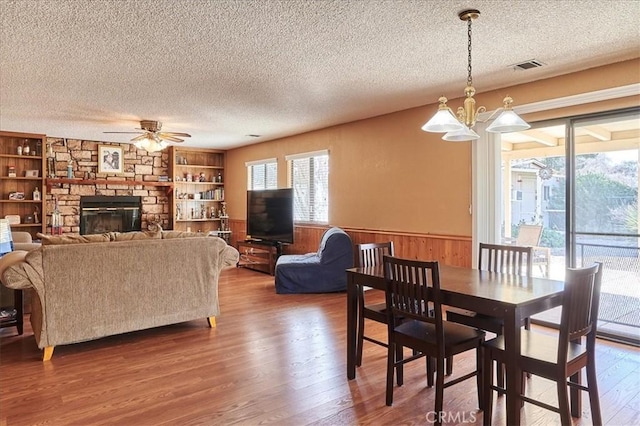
[154, 146]
[508, 121]
[466, 134]
[151, 143]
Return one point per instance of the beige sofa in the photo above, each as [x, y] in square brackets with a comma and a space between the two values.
[88, 287]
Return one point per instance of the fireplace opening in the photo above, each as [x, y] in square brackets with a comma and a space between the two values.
[99, 214]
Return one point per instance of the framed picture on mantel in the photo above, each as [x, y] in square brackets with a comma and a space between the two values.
[110, 159]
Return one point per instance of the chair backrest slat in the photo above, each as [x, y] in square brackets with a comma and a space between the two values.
[506, 259]
[413, 288]
[370, 254]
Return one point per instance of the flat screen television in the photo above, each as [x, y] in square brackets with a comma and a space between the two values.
[270, 215]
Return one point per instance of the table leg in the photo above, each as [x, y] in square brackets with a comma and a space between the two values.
[514, 374]
[352, 306]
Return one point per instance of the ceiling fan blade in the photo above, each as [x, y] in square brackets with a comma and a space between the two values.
[139, 138]
[151, 130]
[169, 137]
[184, 135]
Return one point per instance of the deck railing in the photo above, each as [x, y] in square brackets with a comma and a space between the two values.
[620, 300]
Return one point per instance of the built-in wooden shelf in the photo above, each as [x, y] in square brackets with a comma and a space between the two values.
[20, 178]
[199, 166]
[56, 181]
[198, 220]
[27, 209]
[21, 157]
[26, 225]
[186, 182]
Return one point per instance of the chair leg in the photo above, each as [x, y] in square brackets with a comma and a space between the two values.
[523, 386]
[439, 388]
[527, 326]
[360, 331]
[487, 393]
[479, 376]
[563, 402]
[594, 399]
[390, 370]
[400, 367]
[449, 365]
[430, 371]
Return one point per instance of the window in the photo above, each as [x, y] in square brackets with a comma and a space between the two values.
[262, 174]
[309, 178]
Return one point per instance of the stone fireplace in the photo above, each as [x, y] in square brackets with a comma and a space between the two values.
[99, 214]
[140, 168]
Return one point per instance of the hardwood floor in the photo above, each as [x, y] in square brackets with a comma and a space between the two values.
[276, 359]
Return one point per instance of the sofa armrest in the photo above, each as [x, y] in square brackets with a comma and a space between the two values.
[229, 257]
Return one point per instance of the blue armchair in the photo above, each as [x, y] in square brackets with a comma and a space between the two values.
[321, 272]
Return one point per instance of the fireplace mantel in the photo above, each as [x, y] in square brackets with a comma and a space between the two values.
[57, 181]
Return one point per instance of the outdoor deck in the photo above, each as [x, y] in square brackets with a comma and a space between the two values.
[620, 297]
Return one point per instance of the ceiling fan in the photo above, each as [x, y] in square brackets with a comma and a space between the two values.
[151, 138]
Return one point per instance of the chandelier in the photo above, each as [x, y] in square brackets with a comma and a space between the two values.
[151, 143]
[459, 127]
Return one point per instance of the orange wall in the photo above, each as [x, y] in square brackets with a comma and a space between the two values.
[387, 174]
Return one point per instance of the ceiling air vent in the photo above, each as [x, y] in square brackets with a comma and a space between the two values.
[527, 65]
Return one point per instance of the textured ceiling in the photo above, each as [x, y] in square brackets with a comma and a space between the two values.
[222, 70]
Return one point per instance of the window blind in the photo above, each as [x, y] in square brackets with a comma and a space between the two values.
[309, 178]
[262, 174]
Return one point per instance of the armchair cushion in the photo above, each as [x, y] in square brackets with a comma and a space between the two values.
[319, 272]
[22, 241]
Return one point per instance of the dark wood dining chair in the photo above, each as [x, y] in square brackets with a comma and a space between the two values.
[504, 259]
[412, 291]
[558, 357]
[370, 254]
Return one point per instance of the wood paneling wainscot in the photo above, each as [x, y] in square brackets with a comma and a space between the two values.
[448, 249]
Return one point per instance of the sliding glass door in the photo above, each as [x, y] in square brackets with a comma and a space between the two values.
[577, 181]
[605, 218]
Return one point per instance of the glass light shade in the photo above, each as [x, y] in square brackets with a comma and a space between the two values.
[466, 134]
[508, 121]
[6, 240]
[443, 121]
[151, 145]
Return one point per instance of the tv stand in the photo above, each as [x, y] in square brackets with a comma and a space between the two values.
[259, 255]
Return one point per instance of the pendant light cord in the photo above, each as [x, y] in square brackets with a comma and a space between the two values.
[469, 78]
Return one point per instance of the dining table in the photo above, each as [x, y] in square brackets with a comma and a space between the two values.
[506, 296]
